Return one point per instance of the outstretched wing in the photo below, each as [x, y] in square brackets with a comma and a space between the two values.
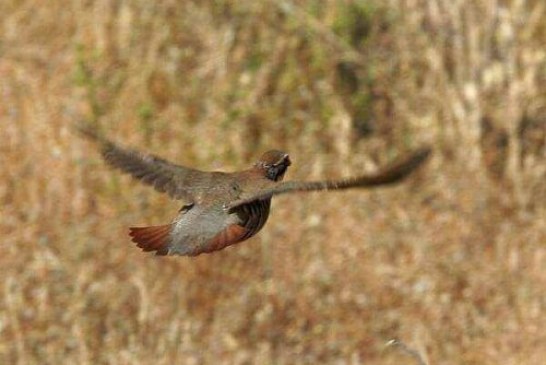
[178, 181]
[392, 174]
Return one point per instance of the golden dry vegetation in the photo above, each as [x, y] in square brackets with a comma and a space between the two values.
[452, 263]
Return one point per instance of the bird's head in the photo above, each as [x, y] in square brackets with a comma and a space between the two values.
[273, 163]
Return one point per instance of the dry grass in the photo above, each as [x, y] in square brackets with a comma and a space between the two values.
[453, 263]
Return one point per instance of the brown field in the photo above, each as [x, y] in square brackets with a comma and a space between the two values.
[452, 263]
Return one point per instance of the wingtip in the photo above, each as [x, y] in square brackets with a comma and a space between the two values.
[422, 153]
[404, 166]
[87, 130]
[416, 158]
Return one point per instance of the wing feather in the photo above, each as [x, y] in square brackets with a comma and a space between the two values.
[162, 175]
[392, 174]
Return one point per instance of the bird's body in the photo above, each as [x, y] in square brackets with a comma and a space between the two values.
[205, 225]
[223, 208]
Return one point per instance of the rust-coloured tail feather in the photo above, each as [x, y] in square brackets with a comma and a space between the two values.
[153, 238]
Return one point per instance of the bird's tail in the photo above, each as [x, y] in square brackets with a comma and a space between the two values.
[152, 238]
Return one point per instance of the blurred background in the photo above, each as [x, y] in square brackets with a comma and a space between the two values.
[452, 263]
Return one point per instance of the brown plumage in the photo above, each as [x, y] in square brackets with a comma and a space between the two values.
[223, 208]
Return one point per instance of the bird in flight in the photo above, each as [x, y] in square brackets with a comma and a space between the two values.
[224, 208]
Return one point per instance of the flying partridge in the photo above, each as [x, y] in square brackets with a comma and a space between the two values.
[224, 208]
